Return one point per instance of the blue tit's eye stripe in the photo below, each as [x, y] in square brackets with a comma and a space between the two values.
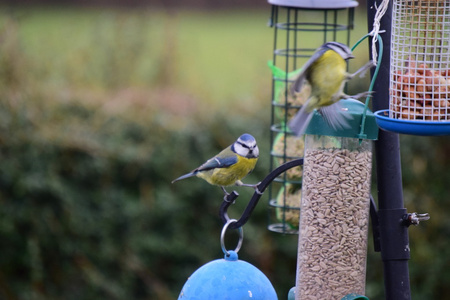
[340, 48]
[243, 145]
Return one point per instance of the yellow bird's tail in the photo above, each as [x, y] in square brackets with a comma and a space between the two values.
[301, 120]
[185, 176]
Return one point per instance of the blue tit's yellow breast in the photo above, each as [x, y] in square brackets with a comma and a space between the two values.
[229, 176]
[327, 76]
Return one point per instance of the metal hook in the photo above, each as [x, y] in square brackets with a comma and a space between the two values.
[229, 199]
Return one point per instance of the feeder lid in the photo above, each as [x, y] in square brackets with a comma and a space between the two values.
[355, 109]
[228, 278]
[316, 4]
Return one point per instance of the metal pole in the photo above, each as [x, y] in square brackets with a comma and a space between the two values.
[393, 233]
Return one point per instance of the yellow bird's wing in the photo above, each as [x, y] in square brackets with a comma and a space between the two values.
[217, 162]
[297, 85]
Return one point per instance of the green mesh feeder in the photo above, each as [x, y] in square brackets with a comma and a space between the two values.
[300, 27]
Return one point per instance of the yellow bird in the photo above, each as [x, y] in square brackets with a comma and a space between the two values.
[230, 166]
[326, 72]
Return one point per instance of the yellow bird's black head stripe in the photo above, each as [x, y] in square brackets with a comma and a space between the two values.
[246, 146]
[343, 50]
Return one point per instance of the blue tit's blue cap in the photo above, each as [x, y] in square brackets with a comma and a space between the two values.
[246, 137]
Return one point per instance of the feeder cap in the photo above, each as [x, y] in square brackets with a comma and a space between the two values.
[316, 4]
[354, 108]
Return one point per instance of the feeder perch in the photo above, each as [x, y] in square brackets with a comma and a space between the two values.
[300, 27]
[291, 296]
[334, 212]
[419, 100]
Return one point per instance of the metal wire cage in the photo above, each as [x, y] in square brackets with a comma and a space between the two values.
[298, 32]
[420, 59]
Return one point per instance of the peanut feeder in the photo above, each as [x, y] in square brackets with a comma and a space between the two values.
[420, 61]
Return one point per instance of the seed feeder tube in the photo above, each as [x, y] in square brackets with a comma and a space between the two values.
[300, 27]
[419, 101]
[334, 211]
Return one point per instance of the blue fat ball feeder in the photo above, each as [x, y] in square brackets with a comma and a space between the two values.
[228, 279]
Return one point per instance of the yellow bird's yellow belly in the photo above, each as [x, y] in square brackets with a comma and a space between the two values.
[229, 176]
[327, 78]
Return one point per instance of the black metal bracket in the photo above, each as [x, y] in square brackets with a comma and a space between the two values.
[414, 218]
[230, 198]
[256, 196]
[406, 220]
[375, 225]
[261, 187]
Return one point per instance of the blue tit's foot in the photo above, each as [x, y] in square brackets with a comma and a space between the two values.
[362, 95]
[357, 96]
[257, 189]
[255, 186]
[226, 195]
[362, 70]
[225, 191]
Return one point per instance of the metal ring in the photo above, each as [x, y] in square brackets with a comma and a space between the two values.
[222, 237]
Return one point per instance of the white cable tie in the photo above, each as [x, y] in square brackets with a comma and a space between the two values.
[372, 33]
[380, 11]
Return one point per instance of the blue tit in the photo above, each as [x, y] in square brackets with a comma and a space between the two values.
[229, 166]
[326, 72]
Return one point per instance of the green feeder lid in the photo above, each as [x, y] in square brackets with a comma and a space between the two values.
[359, 117]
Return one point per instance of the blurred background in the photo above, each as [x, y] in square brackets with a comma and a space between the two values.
[104, 103]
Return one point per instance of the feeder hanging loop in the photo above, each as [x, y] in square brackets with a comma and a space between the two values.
[222, 238]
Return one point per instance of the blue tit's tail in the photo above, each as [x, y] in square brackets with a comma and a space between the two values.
[185, 176]
[300, 121]
[334, 116]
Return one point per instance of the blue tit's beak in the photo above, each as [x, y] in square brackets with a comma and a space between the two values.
[253, 152]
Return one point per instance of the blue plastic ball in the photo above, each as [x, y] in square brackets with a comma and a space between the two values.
[228, 279]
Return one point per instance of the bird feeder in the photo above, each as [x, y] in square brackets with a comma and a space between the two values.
[334, 221]
[300, 27]
[228, 278]
[420, 69]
